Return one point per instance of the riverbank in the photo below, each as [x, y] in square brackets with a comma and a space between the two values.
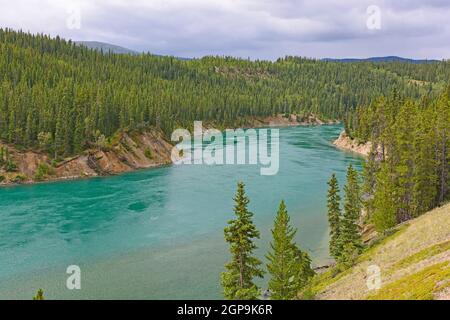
[346, 143]
[128, 152]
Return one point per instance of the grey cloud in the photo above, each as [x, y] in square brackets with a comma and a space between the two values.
[255, 28]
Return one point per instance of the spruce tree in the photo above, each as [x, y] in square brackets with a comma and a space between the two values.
[237, 280]
[289, 267]
[371, 167]
[350, 238]
[385, 203]
[402, 159]
[334, 216]
[39, 295]
[424, 175]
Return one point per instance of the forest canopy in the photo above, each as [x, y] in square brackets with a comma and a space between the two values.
[59, 96]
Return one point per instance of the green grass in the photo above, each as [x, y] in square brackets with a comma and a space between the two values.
[370, 251]
[418, 286]
[322, 281]
[422, 255]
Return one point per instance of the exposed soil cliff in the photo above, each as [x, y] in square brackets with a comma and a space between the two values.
[287, 121]
[129, 152]
[344, 142]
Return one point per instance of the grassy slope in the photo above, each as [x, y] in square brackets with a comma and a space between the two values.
[414, 263]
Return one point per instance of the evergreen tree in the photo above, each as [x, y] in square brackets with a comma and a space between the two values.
[113, 92]
[385, 203]
[402, 159]
[289, 267]
[237, 281]
[39, 295]
[424, 172]
[349, 236]
[334, 216]
[371, 167]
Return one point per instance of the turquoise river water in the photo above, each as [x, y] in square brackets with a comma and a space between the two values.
[158, 233]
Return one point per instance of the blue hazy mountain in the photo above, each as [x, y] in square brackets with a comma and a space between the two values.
[106, 47]
[381, 59]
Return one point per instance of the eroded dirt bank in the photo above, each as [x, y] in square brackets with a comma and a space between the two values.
[139, 151]
[130, 152]
[344, 142]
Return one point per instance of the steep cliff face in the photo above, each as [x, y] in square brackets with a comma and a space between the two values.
[344, 142]
[131, 152]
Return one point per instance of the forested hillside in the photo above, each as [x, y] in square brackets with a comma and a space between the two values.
[406, 173]
[58, 97]
[408, 170]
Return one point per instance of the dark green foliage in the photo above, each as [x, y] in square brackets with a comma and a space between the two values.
[289, 267]
[349, 236]
[237, 280]
[334, 216]
[39, 295]
[19, 178]
[409, 172]
[148, 153]
[371, 167]
[384, 215]
[56, 96]
[6, 161]
[43, 171]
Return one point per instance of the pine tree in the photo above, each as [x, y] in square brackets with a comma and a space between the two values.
[371, 167]
[334, 216]
[350, 238]
[424, 175]
[385, 203]
[442, 146]
[402, 159]
[289, 267]
[39, 295]
[237, 281]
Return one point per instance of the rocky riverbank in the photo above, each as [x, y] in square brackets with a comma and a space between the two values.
[129, 152]
[346, 143]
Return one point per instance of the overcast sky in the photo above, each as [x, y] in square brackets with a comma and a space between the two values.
[259, 29]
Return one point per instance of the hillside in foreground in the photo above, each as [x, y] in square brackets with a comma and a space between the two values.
[414, 262]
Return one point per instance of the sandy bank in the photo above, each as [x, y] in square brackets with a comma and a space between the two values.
[344, 142]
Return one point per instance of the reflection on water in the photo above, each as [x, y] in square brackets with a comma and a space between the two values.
[159, 233]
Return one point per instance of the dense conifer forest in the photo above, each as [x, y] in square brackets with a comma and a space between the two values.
[60, 97]
[408, 170]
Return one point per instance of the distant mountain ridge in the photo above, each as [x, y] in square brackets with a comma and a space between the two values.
[106, 47]
[381, 59]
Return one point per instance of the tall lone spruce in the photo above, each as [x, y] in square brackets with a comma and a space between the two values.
[334, 216]
[237, 280]
[349, 238]
[289, 267]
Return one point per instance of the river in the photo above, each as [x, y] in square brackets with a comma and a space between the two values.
[158, 233]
